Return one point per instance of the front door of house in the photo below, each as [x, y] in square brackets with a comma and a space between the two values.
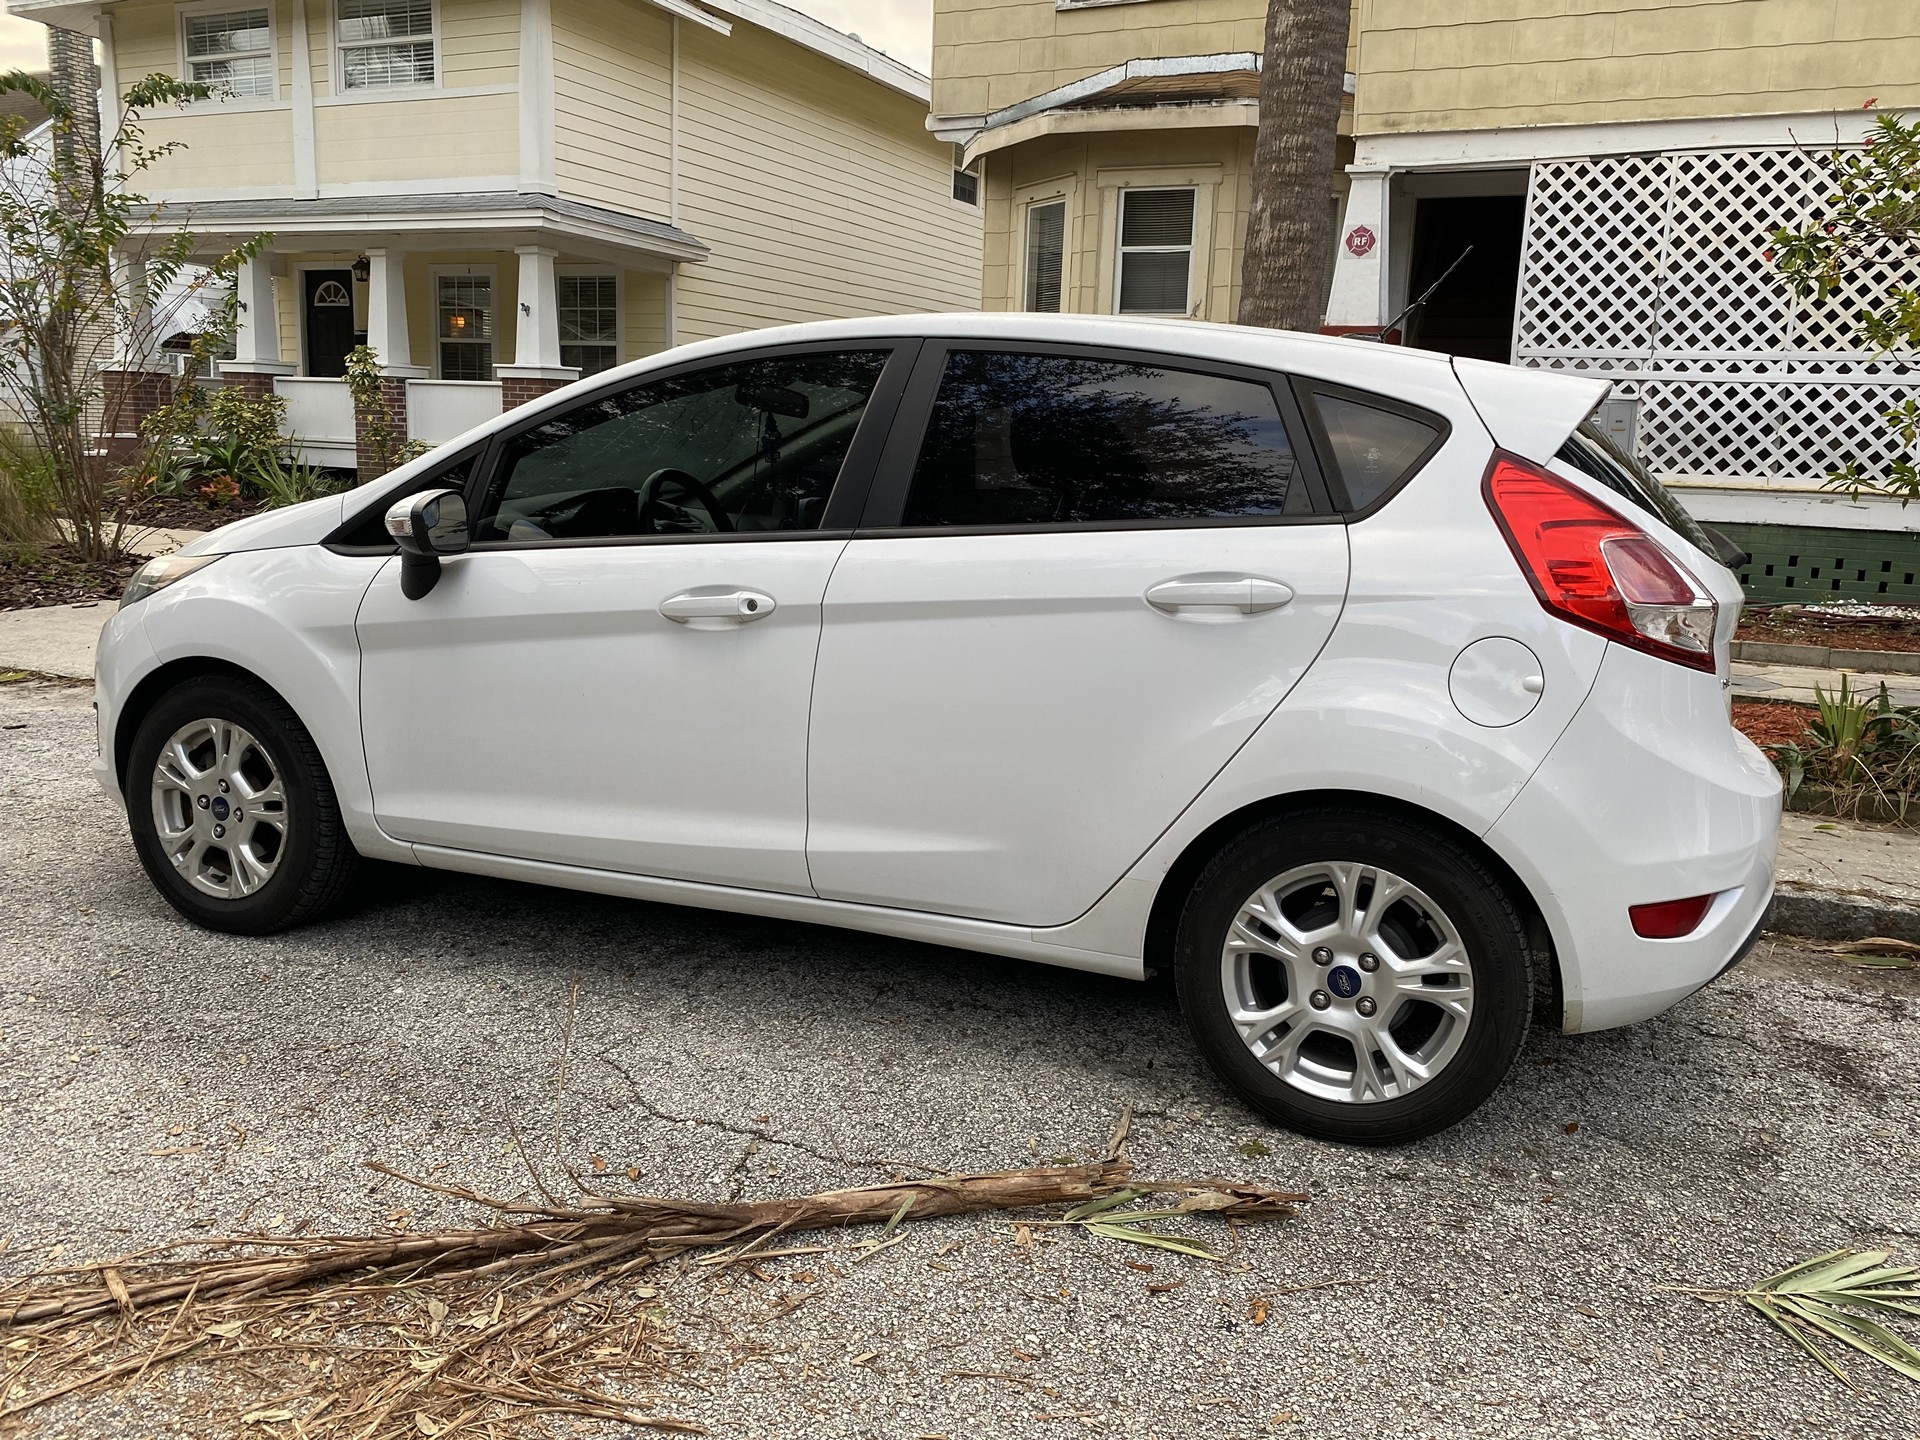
[328, 297]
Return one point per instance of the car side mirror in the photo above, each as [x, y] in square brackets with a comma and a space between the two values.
[427, 526]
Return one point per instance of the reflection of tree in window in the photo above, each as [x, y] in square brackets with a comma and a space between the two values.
[1038, 439]
[766, 438]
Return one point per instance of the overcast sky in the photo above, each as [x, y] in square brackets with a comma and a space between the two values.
[902, 28]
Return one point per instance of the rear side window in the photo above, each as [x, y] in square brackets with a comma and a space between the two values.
[1373, 447]
[1023, 439]
[1593, 454]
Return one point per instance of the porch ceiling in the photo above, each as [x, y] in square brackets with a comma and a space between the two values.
[489, 219]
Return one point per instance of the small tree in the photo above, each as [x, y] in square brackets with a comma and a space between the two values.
[1870, 222]
[73, 236]
[382, 440]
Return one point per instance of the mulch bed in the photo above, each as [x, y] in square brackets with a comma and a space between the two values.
[58, 575]
[1767, 722]
[181, 512]
[1790, 625]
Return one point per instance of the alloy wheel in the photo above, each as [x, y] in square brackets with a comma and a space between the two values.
[1347, 982]
[219, 808]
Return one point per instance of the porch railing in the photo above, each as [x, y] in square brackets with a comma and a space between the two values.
[438, 410]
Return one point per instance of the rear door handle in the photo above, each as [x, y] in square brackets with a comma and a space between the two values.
[1247, 594]
[713, 606]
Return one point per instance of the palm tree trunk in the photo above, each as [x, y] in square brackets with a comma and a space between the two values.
[1290, 228]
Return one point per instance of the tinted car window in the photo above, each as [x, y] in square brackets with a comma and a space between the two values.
[369, 528]
[751, 446]
[1594, 455]
[1018, 439]
[1374, 448]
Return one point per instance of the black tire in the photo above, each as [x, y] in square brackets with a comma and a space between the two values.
[1475, 902]
[315, 863]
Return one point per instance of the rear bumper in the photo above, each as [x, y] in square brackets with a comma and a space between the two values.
[1649, 795]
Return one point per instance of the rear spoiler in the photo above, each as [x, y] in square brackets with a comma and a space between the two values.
[1530, 412]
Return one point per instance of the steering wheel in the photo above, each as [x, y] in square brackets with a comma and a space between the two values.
[651, 504]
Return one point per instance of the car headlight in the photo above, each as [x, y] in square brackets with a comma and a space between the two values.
[162, 572]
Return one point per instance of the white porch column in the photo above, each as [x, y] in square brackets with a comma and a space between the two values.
[256, 339]
[387, 315]
[1360, 269]
[134, 342]
[536, 348]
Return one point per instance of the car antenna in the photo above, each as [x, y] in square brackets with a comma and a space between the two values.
[1379, 337]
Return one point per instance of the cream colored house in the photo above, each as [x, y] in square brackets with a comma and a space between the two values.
[1614, 165]
[501, 195]
[1113, 141]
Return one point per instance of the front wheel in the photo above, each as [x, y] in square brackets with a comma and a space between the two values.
[232, 813]
[1357, 977]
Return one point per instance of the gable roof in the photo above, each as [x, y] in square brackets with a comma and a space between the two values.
[835, 45]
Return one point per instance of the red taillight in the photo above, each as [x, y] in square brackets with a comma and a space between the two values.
[1669, 919]
[1591, 565]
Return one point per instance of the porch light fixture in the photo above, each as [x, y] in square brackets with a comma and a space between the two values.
[362, 269]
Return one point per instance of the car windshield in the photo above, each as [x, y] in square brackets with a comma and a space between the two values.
[1590, 451]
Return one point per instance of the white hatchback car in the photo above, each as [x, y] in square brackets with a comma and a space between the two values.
[1372, 693]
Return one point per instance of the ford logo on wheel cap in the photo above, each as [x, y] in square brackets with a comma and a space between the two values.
[1344, 981]
[221, 808]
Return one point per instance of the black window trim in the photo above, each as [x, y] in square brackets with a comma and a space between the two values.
[1306, 391]
[887, 500]
[845, 502]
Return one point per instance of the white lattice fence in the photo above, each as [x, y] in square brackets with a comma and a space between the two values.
[1652, 269]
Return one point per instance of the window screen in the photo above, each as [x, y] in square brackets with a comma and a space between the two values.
[589, 322]
[232, 52]
[385, 43]
[1018, 439]
[1046, 254]
[465, 309]
[1156, 251]
[1374, 448]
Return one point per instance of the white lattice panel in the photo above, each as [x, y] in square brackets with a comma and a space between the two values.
[1653, 269]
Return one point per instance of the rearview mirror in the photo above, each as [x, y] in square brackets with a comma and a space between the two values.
[427, 526]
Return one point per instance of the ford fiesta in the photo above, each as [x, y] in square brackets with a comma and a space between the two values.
[1373, 694]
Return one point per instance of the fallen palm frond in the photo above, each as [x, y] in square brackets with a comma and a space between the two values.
[1840, 1296]
[474, 1330]
[1878, 952]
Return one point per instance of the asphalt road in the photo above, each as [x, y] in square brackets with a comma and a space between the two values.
[1502, 1279]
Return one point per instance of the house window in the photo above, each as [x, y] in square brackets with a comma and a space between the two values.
[1156, 251]
[589, 322]
[385, 43]
[231, 51]
[464, 304]
[1046, 254]
[966, 186]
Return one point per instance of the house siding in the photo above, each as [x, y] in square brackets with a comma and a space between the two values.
[1477, 64]
[987, 56]
[821, 195]
[447, 137]
[612, 86]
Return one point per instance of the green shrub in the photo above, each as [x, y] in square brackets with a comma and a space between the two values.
[26, 493]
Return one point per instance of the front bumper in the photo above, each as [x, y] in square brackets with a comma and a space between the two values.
[124, 655]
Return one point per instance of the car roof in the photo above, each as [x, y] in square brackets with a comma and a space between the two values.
[1345, 361]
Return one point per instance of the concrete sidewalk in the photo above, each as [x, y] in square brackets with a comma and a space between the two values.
[53, 639]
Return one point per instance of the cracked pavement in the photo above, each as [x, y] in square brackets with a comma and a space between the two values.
[1502, 1279]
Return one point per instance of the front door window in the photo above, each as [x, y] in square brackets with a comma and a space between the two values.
[752, 446]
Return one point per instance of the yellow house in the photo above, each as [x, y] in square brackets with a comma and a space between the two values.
[501, 195]
[1609, 169]
[1113, 141]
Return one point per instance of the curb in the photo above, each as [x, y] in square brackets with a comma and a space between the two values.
[1824, 657]
[1816, 914]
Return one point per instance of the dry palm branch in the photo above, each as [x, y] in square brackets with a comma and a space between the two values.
[363, 1328]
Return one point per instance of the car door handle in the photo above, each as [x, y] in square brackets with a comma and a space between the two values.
[711, 607]
[1248, 594]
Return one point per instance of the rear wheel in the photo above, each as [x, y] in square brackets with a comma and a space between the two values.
[1358, 977]
[232, 813]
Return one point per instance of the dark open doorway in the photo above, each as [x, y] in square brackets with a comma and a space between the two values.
[1472, 314]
